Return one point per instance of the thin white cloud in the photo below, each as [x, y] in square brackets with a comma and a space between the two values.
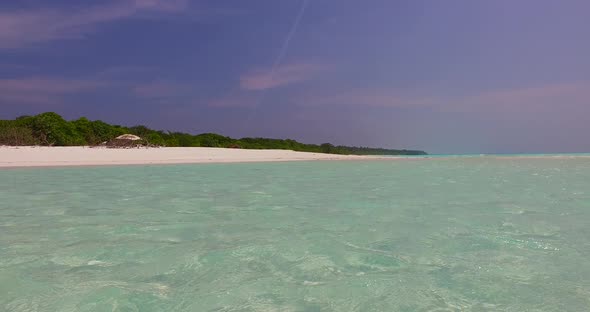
[365, 97]
[43, 90]
[25, 27]
[544, 98]
[240, 100]
[263, 79]
[556, 97]
[160, 89]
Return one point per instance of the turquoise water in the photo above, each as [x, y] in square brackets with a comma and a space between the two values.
[444, 234]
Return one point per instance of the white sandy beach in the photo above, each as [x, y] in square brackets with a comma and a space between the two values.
[36, 156]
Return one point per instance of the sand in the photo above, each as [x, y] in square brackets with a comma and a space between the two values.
[35, 156]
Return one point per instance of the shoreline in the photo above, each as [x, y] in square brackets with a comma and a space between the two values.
[14, 157]
[84, 156]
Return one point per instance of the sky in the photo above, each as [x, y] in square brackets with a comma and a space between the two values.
[456, 76]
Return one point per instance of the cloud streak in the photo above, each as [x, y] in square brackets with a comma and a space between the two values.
[26, 27]
[385, 98]
[47, 85]
[52, 90]
[264, 79]
[518, 101]
[531, 100]
[235, 101]
[159, 89]
[43, 90]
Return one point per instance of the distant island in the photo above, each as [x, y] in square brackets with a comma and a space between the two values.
[51, 129]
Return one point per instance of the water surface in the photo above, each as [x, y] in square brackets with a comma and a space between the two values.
[444, 234]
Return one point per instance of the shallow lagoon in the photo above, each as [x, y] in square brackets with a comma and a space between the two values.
[439, 234]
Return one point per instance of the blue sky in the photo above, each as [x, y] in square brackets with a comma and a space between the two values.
[443, 76]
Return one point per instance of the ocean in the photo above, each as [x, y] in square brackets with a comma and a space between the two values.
[480, 233]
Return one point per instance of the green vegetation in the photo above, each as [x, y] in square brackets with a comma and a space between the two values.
[51, 129]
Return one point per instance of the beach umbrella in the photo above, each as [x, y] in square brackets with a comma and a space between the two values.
[130, 137]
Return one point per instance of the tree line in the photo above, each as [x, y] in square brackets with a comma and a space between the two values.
[50, 129]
